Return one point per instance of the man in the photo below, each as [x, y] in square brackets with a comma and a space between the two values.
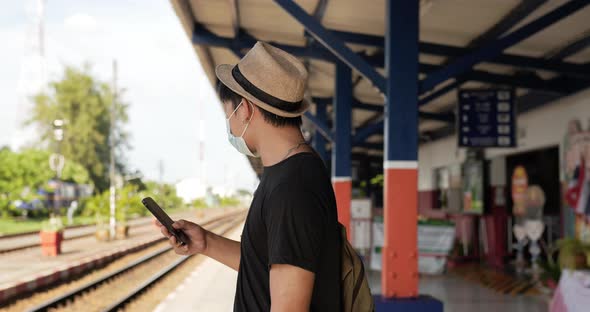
[289, 255]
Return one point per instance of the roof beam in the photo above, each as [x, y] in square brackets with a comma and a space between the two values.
[445, 117]
[334, 44]
[371, 145]
[572, 48]
[486, 77]
[362, 134]
[320, 9]
[493, 49]
[515, 16]
[521, 11]
[235, 17]
[440, 92]
[323, 129]
[454, 51]
[526, 102]
[202, 36]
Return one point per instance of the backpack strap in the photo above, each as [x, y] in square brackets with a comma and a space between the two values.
[358, 283]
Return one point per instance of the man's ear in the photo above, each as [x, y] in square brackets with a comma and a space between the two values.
[247, 111]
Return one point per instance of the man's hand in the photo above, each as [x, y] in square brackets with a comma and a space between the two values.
[196, 234]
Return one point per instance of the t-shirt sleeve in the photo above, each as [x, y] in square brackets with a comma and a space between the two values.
[296, 226]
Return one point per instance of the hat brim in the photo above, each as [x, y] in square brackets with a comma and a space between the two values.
[223, 72]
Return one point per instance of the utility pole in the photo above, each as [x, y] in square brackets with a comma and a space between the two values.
[112, 197]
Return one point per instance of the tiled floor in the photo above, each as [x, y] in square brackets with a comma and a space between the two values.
[459, 295]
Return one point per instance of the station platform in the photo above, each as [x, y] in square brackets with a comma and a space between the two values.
[460, 295]
[211, 287]
[26, 270]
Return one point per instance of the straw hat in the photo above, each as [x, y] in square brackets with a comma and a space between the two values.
[270, 78]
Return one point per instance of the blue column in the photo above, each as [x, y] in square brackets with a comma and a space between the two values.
[399, 278]
[319, 142]
[341, 146]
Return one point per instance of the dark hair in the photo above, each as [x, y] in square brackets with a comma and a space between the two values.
[228, 95]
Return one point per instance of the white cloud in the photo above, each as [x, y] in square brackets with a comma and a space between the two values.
[80, 22]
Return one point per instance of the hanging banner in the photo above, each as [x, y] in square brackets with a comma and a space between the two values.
[520, 184]
[487, 118]
[576, 172]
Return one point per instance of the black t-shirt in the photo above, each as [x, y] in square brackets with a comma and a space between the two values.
[292, 220]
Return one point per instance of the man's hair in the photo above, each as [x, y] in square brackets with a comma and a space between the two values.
[228, 95]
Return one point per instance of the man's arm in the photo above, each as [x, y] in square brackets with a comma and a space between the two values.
[222, 249]
[291, 288]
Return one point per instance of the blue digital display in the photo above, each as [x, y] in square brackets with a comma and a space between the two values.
[487, 118]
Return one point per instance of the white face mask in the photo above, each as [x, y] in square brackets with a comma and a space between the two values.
[238, 142]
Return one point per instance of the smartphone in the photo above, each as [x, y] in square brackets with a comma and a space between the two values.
[155, 209]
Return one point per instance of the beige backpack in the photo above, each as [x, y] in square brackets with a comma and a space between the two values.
[356, 294]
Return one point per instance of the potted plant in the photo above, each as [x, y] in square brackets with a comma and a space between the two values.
[122, 228]
[51, 236]
[551, 272]
[127, 198]
[572, 253]
[102, 233]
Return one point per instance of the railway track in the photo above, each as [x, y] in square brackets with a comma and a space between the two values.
[66, 238]
[139, 224]
[114, 290]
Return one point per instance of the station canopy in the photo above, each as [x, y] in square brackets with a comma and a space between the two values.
[549, 62]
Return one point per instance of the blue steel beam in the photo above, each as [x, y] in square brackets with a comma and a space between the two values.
[489, 51]
[362, 134]
[204, 37]
[320, 126]
[455, 51]
[332, 43]
[445, 117]
[373, 146]
[573, 48]
[319, 141]
[524, 81]
[515, 16]
[341, 162]
[440, 92]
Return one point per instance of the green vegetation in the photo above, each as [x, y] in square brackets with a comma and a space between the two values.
[19, 225]
[128, 201]
[84, 103]
[22, 174]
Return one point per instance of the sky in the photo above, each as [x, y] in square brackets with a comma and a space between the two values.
[157, 66]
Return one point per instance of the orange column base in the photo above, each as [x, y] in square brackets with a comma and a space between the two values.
[343, 193]
[400, 251]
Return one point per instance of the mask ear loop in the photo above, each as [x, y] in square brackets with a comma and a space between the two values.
[235, 110]
[248, 120]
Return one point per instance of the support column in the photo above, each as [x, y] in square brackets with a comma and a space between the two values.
[319, 142]
[341, 146]
[400, 255]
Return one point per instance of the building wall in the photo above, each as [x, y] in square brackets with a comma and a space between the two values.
[540, 128]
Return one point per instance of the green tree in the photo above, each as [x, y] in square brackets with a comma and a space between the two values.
[23, 173]
[164, 194]
[84, 103]
[128, 203]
